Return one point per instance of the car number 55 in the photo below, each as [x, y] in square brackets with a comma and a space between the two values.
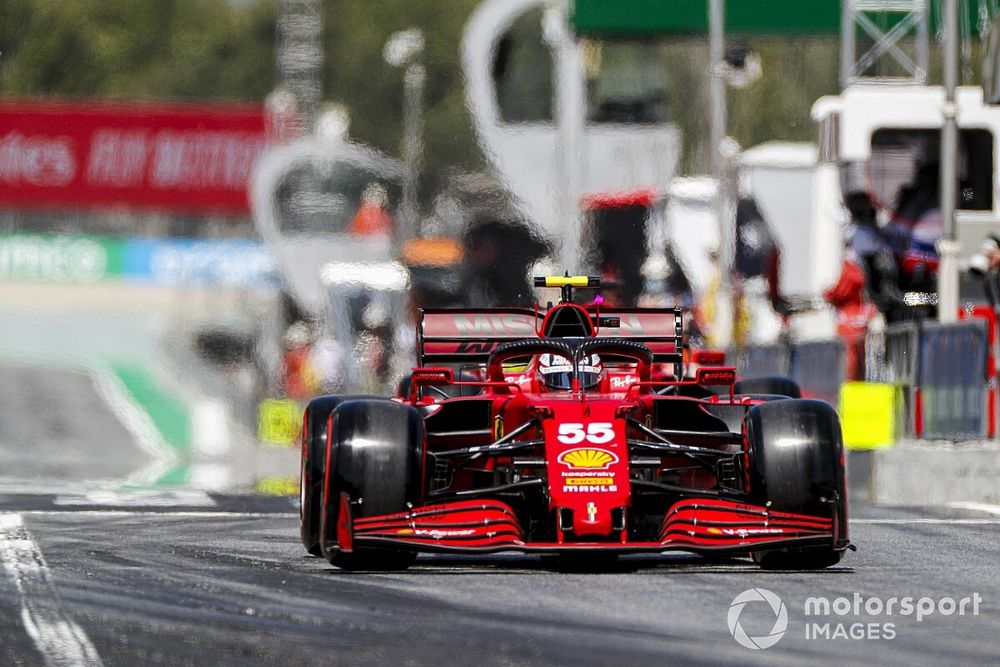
[599, 433]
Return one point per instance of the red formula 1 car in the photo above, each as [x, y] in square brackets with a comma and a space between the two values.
[569, 431]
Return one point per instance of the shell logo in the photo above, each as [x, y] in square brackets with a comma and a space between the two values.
[588, 458]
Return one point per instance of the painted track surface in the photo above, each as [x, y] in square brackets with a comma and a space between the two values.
[231, 585]
[54, 426]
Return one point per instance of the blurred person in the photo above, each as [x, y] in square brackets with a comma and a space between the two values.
[496, 256]
[758, 253]
[854, 310]
[326, 362]
[372, 218]
[703, 311]
[869, 247]
[616, 233]
[757, 302]
[678, 289]
[986, 265]
[913, 232]
[297, 373]
[375, 341]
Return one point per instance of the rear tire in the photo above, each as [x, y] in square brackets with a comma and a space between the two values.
[774, 385]
[378, 460]
[796, 465]
[313, 467]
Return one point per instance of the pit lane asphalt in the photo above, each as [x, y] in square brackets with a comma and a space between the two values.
[231, 585]
[181, 578]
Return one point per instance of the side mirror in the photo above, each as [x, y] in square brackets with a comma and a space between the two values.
[433, 376]
[708, 357]
[725, 375]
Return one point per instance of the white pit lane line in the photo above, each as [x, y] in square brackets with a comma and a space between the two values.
[58, 638]
[932, 522]
[976, 507]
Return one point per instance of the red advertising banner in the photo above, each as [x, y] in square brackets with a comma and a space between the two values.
[185, 158]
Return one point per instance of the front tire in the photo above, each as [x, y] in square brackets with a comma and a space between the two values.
[378, 461]
[796, 465]
[313, 467]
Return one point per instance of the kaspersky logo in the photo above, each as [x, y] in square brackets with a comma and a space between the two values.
[588, 458]
[773, 606]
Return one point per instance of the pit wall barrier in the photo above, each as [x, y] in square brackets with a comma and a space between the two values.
[923, 380]
[817, 366]
[941, 375]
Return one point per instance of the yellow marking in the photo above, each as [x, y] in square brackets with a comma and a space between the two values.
[567, 281]
[589, 481]
[278, 421]
[867, 414]
[278, 486]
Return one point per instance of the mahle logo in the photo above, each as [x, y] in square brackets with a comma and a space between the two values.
[777, 608]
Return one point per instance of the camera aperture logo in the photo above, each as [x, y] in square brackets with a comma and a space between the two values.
[857, 617]
[772, 602]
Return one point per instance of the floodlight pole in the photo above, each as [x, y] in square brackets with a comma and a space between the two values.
[413, 148]
[717, 93]
[948, 246]
[405, 49]
[299, 56]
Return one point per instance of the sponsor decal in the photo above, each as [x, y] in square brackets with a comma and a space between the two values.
[437, 533]
[591, 512]
[747, 532]
[78, 259]
[588, 458]
[512, 324]
[498, 427]
[36, 160]
[588, 473]
[590, 488]
[619, 382]
[582, 481]
[475, 348]
[89, 154]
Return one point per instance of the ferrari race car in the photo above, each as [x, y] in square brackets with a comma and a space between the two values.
[569, 431]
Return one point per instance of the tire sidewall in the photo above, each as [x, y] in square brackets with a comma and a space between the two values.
[796, 456]
[377, 450]
[316, 424]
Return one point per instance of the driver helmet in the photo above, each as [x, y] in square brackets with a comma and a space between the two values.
[555, 372]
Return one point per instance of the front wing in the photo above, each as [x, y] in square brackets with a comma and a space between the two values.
[489, 526]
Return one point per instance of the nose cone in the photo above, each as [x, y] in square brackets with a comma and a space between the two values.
[588, 467]
[594, 521]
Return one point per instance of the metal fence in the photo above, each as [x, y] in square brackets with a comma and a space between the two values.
[892, 357]
[761, 360]
[940, 372]
[953, 380]
[818, 367]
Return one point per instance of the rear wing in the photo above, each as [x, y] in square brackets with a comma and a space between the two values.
[469, 335]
